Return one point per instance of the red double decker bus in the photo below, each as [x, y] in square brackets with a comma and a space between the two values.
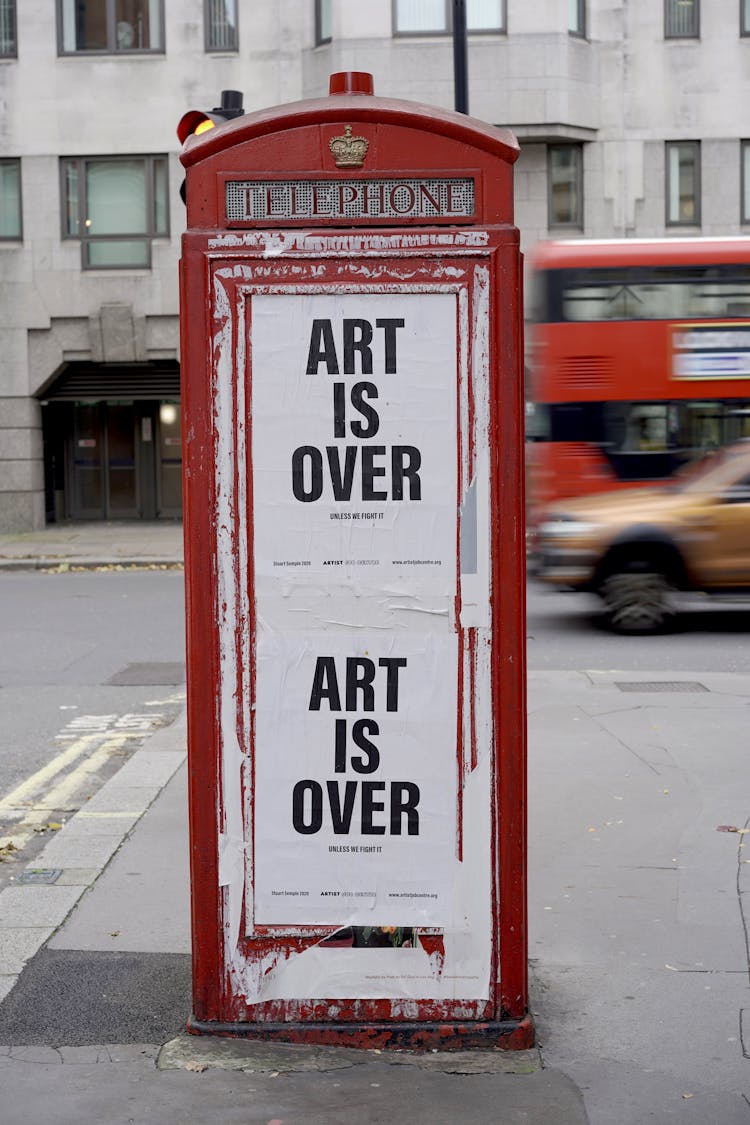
[640, 360]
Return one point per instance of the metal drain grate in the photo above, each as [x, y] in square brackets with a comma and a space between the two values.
[40, 875]
[149, 675]
[662, 685]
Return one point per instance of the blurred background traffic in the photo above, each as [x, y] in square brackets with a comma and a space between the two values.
[632, 197]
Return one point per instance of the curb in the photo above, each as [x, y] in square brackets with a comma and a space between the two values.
[62, 565]
[30, 913]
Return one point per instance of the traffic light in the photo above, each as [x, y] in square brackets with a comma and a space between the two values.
[197, 121]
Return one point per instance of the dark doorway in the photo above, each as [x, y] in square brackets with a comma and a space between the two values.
[114, 460]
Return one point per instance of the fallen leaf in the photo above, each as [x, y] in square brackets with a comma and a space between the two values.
[114, 933]
[688, 1095]
[727, 828]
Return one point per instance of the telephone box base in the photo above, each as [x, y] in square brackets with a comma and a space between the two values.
[510, 1035]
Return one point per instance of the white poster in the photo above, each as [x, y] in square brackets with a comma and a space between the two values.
[354, 446]
[355, 779]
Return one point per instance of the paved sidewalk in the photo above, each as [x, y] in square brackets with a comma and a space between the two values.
[639, 913]
[92, 544]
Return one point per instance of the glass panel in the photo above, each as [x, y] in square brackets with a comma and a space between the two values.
[85, 25]
[682, 18]
[121, 459]
[683, 184]
[222, 25]
[10, 199]
[421, 15]
[87, 465]
[745, 17]
[136, 25]
[575, 16]
[625, 296]
[161, 222]
[170, 457]
[323, 20]
[122, 253]
[70, 201]
[7, 27]
[565, 205]
[116, 197]
[484, 15]
[746, 181]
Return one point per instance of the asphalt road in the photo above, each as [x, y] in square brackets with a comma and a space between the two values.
[564, 632]
[91, 663]
[107, 648]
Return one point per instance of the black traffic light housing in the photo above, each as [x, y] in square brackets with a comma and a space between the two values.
[197, 121]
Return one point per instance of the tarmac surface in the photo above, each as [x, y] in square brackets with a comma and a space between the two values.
[639, 910]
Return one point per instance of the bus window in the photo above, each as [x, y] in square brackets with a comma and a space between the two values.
[638, 293]
[537, 422]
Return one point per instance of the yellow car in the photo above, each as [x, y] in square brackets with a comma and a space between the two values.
[635, 549]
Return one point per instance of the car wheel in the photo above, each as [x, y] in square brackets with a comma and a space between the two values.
[638, 599]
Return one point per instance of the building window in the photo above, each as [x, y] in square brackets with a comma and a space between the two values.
[681, 19]
[322, 21]
[110, 26]
[115, 206]
[7, 29]
[565, 190]
[745, 182]
[221, 25]
[425, 17]
[683, 183]
[10, 199]
[744, 17]
[577, 17]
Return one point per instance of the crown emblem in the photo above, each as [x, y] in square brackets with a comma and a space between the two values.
[349, 151]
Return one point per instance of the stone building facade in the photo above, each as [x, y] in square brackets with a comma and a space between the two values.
[630, 114]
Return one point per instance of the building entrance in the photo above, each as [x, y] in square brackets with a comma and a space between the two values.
[113, 460]
[112, 443]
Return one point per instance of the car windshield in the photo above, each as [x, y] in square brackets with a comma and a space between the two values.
[712, 470]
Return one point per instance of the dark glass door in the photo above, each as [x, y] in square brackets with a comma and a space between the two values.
[105, 476]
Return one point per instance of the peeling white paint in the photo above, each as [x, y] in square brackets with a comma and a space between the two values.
[274, 243]
[405, 975]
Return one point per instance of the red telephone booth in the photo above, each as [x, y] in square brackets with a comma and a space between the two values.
[353, 397]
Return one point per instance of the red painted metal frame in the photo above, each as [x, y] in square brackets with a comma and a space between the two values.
[217, 1009]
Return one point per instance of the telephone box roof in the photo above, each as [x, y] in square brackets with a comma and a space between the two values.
[354, 108]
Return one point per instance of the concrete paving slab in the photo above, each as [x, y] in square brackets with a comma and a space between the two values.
[376, 1091]
[87, 822]
[120, 798]
[79, 850]
[142, 900]
[17, 946]
[148, 767]
[30, 905]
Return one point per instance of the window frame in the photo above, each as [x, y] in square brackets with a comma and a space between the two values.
[580, 30]
[111, 48]
[11, 15]
[448, 28]
[669, 6]
[320, 38]
[697, 219]
[82, 163]
[744, 18]
[207, 24]
[13, 239]
[745, 183]
[575, 223]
